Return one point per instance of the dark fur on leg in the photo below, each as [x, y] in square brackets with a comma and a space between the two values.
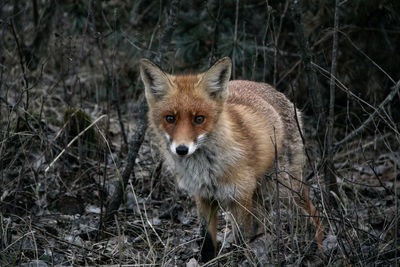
[207, 250]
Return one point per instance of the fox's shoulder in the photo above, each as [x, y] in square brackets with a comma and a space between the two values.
[257, 95]
[247, 89]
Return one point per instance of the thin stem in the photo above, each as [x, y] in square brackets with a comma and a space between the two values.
[330, 178]
[235, 41]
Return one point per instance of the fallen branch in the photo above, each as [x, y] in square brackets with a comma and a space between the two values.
[134, 146]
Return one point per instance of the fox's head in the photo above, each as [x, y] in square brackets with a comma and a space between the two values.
[185, 108]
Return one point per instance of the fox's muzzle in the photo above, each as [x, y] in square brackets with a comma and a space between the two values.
[184, 148]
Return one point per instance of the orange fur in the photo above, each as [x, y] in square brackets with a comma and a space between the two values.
[221, 159]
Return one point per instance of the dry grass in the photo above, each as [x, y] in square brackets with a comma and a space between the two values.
[58, 170]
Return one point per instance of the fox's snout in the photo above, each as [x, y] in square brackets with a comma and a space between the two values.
[182, 149]
[185, 148]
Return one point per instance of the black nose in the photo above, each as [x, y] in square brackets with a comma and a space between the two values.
[182, 150]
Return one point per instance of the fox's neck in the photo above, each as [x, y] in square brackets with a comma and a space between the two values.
[201, 173]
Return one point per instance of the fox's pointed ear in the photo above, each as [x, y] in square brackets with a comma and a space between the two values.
[216, 79]
[156, 81]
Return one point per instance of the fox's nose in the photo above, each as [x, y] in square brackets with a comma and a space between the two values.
[182, 150]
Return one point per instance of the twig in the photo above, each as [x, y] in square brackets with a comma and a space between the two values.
[102, 188]
[169, 29]
[393, 92]
[235, 41]
[244, 48]
[278, 208]
[330, 179]
[362, 146]
[72, 141]
[303, 140]
[110, 76]
[134, 147]
[216, 30]
[68, 96]
[42, 31]
[253, 69]
[138, 138]
[276, 41]
[313, 85]
[264, 48]
[21, 62]
[343, 87]
[118, 107]
[387, 190]
[46, 233]
[365, 55]
[149, 241]
[119, 238]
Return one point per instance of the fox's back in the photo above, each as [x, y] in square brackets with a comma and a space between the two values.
[261, 97]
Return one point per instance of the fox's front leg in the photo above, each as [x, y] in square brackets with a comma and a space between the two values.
[242, 219]
[207, 210]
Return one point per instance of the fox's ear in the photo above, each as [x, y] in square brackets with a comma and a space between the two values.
[217, 77]
[155, 80]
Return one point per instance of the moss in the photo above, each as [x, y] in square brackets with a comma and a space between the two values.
[52, 118]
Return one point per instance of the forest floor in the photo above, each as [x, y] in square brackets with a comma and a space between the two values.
[62, 147]
[53, 198]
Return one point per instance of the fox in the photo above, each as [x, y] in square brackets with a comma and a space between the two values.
[220, 138]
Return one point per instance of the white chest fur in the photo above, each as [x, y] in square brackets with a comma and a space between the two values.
[202, 172]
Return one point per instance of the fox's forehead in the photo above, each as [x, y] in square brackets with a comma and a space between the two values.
[186, 95]
[187, 83]
[188, 104]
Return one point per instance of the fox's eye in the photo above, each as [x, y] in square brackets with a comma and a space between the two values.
[199, 119]
[170, 119]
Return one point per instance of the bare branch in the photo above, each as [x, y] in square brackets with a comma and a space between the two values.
[138, 138]
[169, 29]
[330, 178]
[393, 92]
[216, 30]
[235, 41]
[313, 85]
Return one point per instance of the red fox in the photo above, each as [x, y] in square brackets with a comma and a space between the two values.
[220, 138]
